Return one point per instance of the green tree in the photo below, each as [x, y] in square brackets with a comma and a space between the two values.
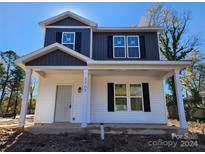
[8, 58]
[18, 76]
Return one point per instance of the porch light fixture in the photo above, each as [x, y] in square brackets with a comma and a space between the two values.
[79, 89]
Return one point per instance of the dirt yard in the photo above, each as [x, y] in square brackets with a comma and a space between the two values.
[12, 139]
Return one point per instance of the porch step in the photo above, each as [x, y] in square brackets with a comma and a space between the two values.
[136, 129]
[58, 128]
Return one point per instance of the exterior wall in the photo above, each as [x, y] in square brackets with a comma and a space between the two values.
[100, 114]
[45, 106]
[68, 22]
[50, 37]
[100, 45]
[56, 58]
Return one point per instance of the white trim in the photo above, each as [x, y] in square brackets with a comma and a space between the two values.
[129, 29]
[65, 15]
[69, 43]
[133, 46]
[133, 62]
[91, 43]
[57, 67]
[72, 27]
[119, 46]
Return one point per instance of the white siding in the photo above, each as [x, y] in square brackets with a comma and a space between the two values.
[99, 111]
[45, 106]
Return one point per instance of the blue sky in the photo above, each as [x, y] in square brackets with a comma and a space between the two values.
[19, 29]
[20, 32]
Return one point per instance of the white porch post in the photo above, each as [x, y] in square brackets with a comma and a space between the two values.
[85, 99]
[180, 103]
[25, 97]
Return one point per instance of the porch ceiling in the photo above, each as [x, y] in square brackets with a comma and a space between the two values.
[158, 74]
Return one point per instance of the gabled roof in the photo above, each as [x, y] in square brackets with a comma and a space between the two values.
[65, 15]
[38, 53]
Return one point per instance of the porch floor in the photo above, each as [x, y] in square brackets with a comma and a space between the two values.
[142, 129]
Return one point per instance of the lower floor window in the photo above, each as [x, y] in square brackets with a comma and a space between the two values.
[136, 104]
[128, 97]
[121, 104]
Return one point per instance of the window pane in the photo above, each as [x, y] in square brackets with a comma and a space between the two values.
[135, 90]
[121, 104]
[119, 51]
[136, 104]
[68, 37]
[133, 51]
[119, 41]
[120, 90]
[132, 41]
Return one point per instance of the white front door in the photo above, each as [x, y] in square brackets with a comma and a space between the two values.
[63, 103]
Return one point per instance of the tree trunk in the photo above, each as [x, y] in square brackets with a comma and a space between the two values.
[4, 86]
[9, 101]
[15, 105]
[30, 103]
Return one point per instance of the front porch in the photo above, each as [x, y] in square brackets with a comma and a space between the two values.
[87, 77]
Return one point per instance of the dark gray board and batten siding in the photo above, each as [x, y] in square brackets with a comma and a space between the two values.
[100, 45]
[68, 22]
[56, 58]
[51, 34]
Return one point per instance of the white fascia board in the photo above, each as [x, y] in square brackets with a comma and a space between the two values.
[48, 49]
[64, 15]
[127, 29]
[138, 65]
[132, 62]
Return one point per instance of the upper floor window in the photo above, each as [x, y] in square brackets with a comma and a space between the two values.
[69, 39]
[133, 47]
[119, 46]
[126, 46]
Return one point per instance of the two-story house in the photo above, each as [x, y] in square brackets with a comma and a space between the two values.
[91, 74]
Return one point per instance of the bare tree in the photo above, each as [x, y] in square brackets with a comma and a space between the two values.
[175, 44]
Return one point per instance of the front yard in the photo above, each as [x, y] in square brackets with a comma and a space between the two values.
[11, 139]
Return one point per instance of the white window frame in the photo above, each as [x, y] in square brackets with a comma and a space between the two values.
[133, 46]
[119, 46]
[120, 97]
[73, 38]
[136, 97]
[128, 98]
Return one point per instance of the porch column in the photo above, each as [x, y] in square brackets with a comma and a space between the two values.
[180, 103]
[85, 99]
[25, 95]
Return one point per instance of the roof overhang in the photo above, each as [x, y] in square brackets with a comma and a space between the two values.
[38, 53]
[164, 65]
[128, 29]
[64, 15]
